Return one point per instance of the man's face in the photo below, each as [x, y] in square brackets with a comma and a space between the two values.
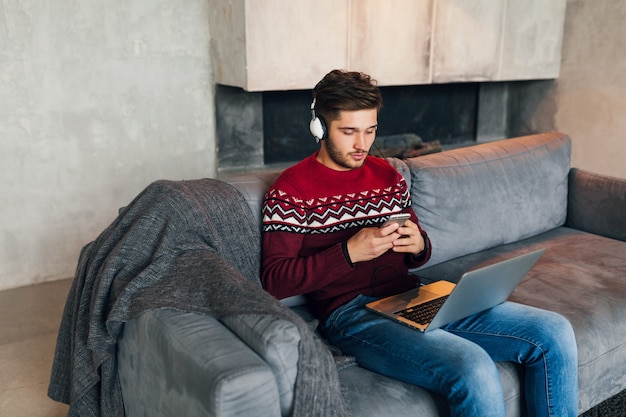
[349, 139]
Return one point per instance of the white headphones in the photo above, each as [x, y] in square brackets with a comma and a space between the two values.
[317, 126]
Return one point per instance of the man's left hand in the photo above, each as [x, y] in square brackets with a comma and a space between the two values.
[410, 241]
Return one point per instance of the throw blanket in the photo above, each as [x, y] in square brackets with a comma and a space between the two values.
[173, 247]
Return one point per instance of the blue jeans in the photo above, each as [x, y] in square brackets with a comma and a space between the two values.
[457, 361]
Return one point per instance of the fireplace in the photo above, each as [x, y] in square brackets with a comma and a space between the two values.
[260, 129]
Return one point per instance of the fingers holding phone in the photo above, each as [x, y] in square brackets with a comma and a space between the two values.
[411, 239]
[399, 219]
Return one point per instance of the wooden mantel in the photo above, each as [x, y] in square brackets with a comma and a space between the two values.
[266, 45]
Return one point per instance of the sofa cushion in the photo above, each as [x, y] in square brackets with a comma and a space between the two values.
[581, 276]
[253, 187]
[374, 395]
[479, 197]
[402, 168]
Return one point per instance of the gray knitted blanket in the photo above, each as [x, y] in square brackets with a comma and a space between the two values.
[173, 247]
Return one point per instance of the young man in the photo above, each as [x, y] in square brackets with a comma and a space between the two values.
[322, 237]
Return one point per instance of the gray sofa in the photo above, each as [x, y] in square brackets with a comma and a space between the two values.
[479, 204]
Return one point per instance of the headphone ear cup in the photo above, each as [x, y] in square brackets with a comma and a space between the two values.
[318, 129]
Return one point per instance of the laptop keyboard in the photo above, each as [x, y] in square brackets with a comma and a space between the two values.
[423, 313]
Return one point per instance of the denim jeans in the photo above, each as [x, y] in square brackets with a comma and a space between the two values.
[457, 361]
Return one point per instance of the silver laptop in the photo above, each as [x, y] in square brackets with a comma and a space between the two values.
[439, 303]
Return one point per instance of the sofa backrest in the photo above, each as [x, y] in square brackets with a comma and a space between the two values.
[474, 198]
[253, 186]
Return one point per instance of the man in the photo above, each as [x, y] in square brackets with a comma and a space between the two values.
[322, 237]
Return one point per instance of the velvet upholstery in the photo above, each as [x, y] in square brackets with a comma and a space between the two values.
[479, 205]
[596, 204]
[253, 187]
[186, 364]
[276, 342]
[472, 199]
[373, 395]
[581, 276]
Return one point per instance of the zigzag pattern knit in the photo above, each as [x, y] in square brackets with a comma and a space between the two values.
[310, 211]
[330, 214]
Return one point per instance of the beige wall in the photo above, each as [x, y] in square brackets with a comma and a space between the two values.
[97, 100]
[591, 92]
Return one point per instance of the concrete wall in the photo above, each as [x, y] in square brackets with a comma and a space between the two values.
[587, 101]
[591, 90]
[97, 100]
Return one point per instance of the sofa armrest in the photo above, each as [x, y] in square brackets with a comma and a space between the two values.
[277, 342]
[597, 204]
[175, 363]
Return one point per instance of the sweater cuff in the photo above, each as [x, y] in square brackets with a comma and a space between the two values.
[344, 248]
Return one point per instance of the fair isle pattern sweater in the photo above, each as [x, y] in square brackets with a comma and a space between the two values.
[310, 211]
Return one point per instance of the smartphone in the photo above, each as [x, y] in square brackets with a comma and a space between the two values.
[397, 218]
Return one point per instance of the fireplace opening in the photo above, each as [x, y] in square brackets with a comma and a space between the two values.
[260, 129]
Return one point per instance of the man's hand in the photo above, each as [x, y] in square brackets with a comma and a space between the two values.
[371, 242]
[411, 241]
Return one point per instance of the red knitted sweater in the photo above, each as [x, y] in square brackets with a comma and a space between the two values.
[310, 211]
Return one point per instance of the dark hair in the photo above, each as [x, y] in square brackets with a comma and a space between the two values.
[342, 90]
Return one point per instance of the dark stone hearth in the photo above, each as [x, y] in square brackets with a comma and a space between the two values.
[286, 116]
[257, 129]
[445, 112]
[239, 123]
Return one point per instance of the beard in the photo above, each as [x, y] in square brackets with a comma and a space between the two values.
[344, 160]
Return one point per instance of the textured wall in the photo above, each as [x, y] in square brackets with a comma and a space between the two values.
[97, 99]
[587, 101]
[591, 98]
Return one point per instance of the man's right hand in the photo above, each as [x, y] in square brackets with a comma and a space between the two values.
[371, 242]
